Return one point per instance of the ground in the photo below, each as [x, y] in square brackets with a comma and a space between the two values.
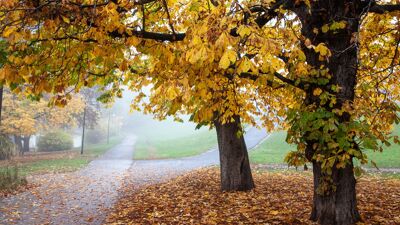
[87, 195]
[84, 197]
[80, 197]
[279, 198]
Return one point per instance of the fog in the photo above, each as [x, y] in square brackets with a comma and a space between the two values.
[144, 126]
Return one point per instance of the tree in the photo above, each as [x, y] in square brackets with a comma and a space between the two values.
[333, 125]
[23, 118]
[207, 75]
[101, 40]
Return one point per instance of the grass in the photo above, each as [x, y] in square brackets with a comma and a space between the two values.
[390, 157]
[10, 179]
[60, 162]
[274, 149]
[160, 148]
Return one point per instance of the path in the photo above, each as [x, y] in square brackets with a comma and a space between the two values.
[85, 196]
[82, 197]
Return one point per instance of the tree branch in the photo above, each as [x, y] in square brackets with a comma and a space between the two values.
[150, 35]
[280, 77]
[266, 14]
[299, 85]
[380, 9]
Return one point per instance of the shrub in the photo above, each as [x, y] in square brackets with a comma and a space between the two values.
[10, 178]
[55, 141]
[7, 148]
[95, 136]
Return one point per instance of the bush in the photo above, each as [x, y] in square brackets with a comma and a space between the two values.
[10, 178]
[7, 148]
[55, 141]
[95, 136]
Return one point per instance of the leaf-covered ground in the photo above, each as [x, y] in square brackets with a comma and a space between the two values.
[279, 198]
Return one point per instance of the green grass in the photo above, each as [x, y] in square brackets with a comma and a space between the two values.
[151, 147]
[53, 165]
[66, 164]
[390, 157]
[95, 150]
[10, 179]
[274, 149]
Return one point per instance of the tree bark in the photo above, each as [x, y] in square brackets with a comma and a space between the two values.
[1, 102]
[340, 206]
[234, 161]
[18, 143]
[26, 140]
[337, 206]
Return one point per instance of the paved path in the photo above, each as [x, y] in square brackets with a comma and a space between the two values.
[82, 197]
[85, 196]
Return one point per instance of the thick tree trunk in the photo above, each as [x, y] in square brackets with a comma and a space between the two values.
[234, 161]
[340, 206]
[337, 207]
[26, 140]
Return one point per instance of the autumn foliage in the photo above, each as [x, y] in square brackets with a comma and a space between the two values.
[328, 70]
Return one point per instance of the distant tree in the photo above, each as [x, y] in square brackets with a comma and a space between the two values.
[23, 118]
[92, 106]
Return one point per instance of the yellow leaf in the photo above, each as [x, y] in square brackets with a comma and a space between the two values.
[244, 31]
[8, 31]
[244, 66]
[274, 212]
[65, 19]
[302, 56]
[325, 28]
[171, 93]
[196, 41]
[317, 91]
[227, 58]
[322, 50]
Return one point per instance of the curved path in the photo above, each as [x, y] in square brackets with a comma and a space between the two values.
[81, 197]
[86, 196]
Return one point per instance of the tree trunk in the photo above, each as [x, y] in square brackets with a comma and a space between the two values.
[1, 102]
[18, 143]
[234, 160]
[338, 207]
[26, 140]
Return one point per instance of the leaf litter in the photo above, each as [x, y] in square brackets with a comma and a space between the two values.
[279, 198]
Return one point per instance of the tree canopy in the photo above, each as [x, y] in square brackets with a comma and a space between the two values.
[328, 69]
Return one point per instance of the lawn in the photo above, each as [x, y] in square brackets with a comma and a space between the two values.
[168, 138]
[65, 161]
[160, 148]
[274, 149]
